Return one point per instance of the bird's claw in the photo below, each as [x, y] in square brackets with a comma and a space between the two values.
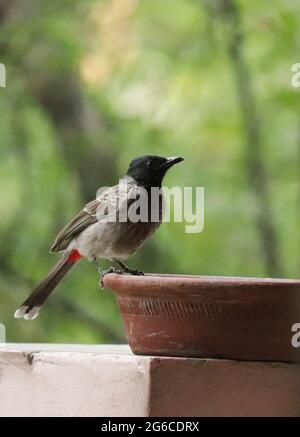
[135, 272]
[106, 272]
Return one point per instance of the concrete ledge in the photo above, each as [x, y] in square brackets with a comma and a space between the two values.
[78, 380]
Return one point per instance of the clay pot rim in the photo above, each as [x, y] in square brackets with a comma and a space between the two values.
[126, 281]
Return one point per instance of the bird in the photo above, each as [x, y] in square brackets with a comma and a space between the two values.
[105, 229]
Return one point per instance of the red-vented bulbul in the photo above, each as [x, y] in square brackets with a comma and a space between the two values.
[90, 234]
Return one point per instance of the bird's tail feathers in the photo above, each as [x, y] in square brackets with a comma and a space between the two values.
[31, 307]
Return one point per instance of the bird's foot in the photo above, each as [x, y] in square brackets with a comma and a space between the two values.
[134, 272]
[127, 269]
[106, 272]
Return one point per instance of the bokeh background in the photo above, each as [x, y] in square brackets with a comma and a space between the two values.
[92, 84]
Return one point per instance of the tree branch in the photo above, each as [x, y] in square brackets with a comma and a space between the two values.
[229, 12]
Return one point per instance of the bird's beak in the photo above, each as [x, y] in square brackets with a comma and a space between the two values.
[171, 161]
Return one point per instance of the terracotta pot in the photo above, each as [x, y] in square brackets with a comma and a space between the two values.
[202, 316]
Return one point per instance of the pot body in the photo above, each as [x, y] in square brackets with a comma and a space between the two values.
[210, 317]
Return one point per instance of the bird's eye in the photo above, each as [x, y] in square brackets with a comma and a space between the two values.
[149, 164]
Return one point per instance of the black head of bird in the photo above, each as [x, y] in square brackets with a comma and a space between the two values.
[149, 170]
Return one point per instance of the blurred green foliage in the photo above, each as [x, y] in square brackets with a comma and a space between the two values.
[92, 84]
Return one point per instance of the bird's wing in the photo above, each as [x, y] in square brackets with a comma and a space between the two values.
[85, 218]
[113, 199]
[81, 221]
